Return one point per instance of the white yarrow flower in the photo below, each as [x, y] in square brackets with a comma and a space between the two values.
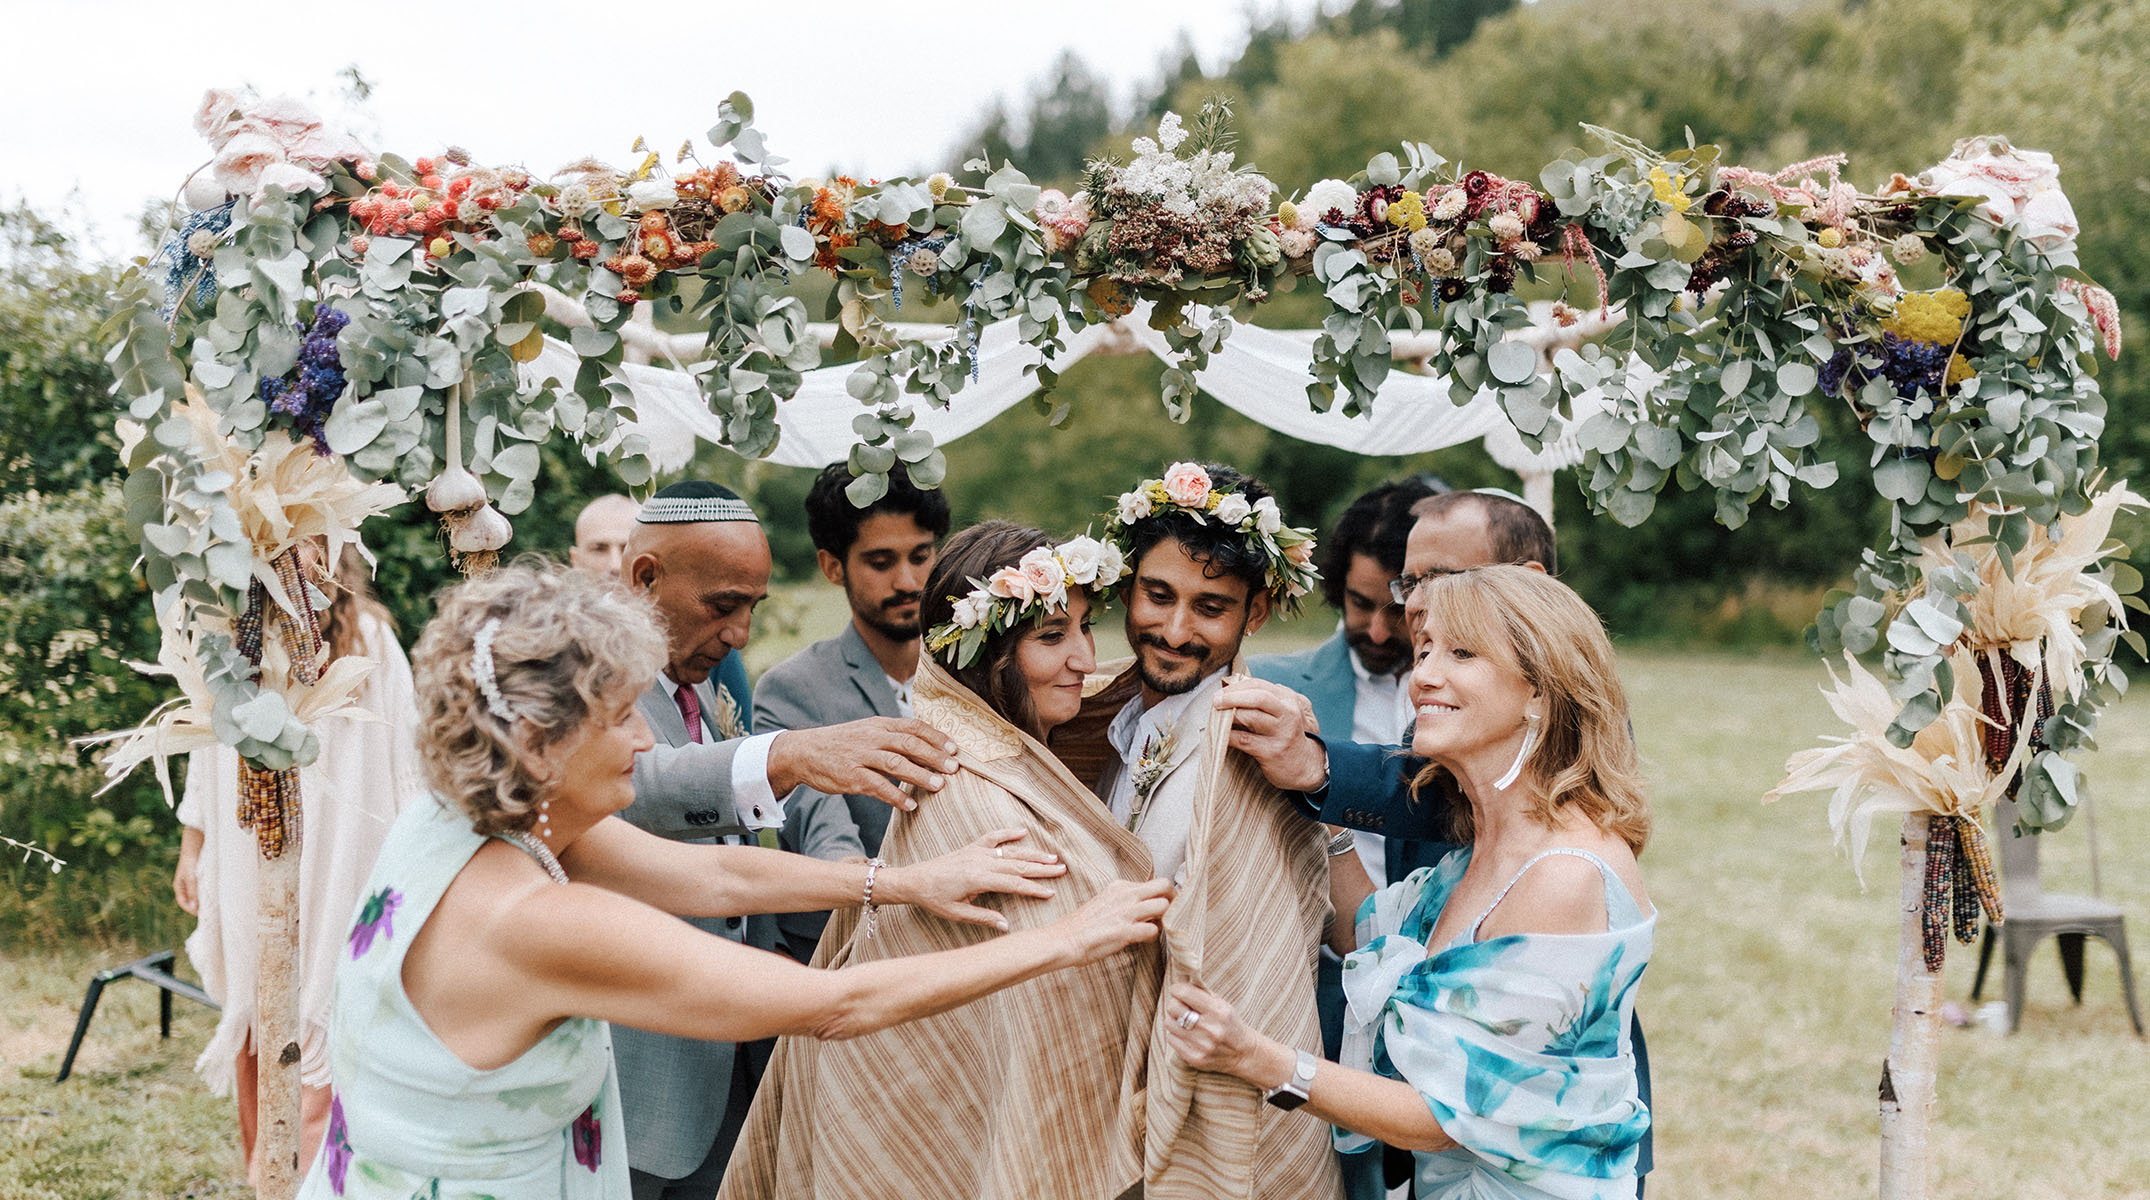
[972, 609]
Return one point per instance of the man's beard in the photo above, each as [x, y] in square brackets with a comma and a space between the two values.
[892, 628]
[1170, 685]
[1379, 658]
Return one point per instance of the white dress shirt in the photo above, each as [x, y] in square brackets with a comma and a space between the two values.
[902, 688]
[1169, 814]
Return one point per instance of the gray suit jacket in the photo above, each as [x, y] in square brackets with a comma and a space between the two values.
[673, 1091]
[828, 683]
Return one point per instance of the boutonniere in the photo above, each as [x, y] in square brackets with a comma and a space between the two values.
[1149, 771]
[730, 723]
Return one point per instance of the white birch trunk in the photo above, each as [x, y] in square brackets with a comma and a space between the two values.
[276, 1016]
[1907, 1077]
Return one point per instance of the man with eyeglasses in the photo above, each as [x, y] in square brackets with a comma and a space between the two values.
[1365, 786]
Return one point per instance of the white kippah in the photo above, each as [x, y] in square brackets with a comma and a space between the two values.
[694, 502]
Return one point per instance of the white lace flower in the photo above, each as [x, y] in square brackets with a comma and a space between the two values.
[1330, 194]
[1169, 132]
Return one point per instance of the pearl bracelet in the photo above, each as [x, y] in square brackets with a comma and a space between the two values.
[866, 922]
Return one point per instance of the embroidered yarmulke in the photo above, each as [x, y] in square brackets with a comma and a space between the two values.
[693, 501]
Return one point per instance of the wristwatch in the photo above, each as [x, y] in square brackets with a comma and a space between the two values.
[1292, 1093]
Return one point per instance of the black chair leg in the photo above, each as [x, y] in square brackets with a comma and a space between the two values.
[2071, 962]
[82, 1027]
[1985, 956]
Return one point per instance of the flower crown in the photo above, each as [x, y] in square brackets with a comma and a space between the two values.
[1037, 583]
[1186, 488]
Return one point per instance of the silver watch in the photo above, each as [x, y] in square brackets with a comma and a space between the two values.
[1292, 1093]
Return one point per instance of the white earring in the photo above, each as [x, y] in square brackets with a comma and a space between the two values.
[544, 821]
[1530, 742]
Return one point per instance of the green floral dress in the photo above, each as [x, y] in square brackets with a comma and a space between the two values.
[409, 1119]
[1519, 1045]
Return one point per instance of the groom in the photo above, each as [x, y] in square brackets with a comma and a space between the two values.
[1211, 561]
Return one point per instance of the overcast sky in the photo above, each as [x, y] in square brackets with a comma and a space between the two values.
[98, 95]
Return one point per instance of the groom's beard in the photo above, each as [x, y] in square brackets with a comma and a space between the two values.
[1170, 670]
[895, 618]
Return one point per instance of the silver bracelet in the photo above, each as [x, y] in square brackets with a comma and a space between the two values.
[866, 923]
[1341, 843]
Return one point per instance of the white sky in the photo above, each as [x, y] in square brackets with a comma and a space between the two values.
[100, 93]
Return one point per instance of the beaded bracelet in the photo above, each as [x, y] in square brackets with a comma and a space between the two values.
[866, 921]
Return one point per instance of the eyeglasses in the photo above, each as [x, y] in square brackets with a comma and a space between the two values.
[1402, 586]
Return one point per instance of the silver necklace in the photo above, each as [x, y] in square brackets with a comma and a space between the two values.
[539, 851]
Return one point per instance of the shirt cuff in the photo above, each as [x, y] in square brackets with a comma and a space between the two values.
[753, 798]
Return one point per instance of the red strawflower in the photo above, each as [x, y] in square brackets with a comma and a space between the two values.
[587, 248]
[460, 186]
[423, 166]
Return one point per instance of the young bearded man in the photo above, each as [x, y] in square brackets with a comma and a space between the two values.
[880, 556]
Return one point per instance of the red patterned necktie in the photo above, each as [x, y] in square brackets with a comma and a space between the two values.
[690, 708]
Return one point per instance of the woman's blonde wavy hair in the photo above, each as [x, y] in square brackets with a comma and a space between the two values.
[1536, 626]
[570, 645]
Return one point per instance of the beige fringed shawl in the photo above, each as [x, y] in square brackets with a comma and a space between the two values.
[1061, 1087]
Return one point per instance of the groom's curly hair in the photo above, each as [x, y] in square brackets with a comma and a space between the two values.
[1222, 552]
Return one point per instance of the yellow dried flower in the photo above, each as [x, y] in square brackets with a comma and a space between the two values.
[1408, 212]
[1930, 316]
[1668, 190]
[1831, 237]
[1288, 215]
[1959, 369]
[937, 185]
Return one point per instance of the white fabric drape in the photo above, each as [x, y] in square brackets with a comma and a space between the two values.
[1259, 373]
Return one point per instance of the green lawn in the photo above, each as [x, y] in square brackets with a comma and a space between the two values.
[1767, 1006]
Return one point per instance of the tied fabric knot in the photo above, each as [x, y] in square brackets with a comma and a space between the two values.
[690, 710]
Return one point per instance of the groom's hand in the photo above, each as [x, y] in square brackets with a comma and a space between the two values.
[1273, 725]
[875, 757]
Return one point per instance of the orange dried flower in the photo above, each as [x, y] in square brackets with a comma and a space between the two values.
[653, 222]
[1110, 297]
[543, 244]
[827, 258]
[634, 268]
[734, 199]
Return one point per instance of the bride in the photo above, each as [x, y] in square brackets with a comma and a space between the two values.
[1035, 1091]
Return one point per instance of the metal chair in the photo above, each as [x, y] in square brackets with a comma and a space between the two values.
[156, 969]
[2034, 913]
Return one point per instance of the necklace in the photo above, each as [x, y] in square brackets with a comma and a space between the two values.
[539, 851]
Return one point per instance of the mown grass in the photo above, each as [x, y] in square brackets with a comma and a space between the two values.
[1767, 1004]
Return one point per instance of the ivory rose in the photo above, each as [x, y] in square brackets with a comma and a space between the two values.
[970, 610]
[2015, 187]
[1045, 576]
[1134, 506]
[1231, 510]
[1187, 484]
[1266, 517]
[1082, 557]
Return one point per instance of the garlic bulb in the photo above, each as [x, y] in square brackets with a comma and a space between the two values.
[482, 531]
[454, 490]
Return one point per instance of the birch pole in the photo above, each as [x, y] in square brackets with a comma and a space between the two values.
[269, 804]
[1908, 1074]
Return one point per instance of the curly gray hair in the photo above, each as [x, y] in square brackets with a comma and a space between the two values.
[568, 644]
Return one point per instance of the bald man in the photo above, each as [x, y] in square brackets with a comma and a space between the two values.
[601, 532]
[698, 552]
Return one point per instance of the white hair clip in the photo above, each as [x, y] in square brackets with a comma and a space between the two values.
[481, 669]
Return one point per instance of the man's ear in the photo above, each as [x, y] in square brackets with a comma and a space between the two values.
[832, 567]
[1535, 565]
[1257, 612]
[642, 572]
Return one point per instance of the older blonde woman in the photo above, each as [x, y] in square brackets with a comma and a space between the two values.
[1489, 997]
[506, 924]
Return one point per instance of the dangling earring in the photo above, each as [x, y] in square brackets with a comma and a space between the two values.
[544, 821]
[1530, 742]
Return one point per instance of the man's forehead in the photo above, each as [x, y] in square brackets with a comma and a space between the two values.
[1454, 540]
[1169, 565]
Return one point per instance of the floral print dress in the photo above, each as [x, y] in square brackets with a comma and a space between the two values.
[1519, 1044]
[408, 1118]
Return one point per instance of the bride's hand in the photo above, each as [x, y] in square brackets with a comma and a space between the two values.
[946, 885]
[1125, 912]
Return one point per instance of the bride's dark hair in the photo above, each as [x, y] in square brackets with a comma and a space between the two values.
[993, 676]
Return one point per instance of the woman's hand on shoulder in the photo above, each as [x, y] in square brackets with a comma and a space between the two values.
[1125, 912]
[996, 862]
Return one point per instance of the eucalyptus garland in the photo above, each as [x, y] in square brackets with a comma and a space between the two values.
[382, 309]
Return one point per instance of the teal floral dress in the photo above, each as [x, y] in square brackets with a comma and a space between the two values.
[410, 1120]
[1519, 1045]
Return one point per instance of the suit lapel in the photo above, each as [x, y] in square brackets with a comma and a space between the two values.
[662, 713]
[866, 673]
[1333, 687]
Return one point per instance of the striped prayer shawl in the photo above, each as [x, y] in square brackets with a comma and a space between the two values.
[1061, 1087]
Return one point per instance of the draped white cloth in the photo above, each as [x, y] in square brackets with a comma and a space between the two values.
[1260, 373]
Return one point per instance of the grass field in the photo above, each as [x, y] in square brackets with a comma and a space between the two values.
[1767, 1004]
